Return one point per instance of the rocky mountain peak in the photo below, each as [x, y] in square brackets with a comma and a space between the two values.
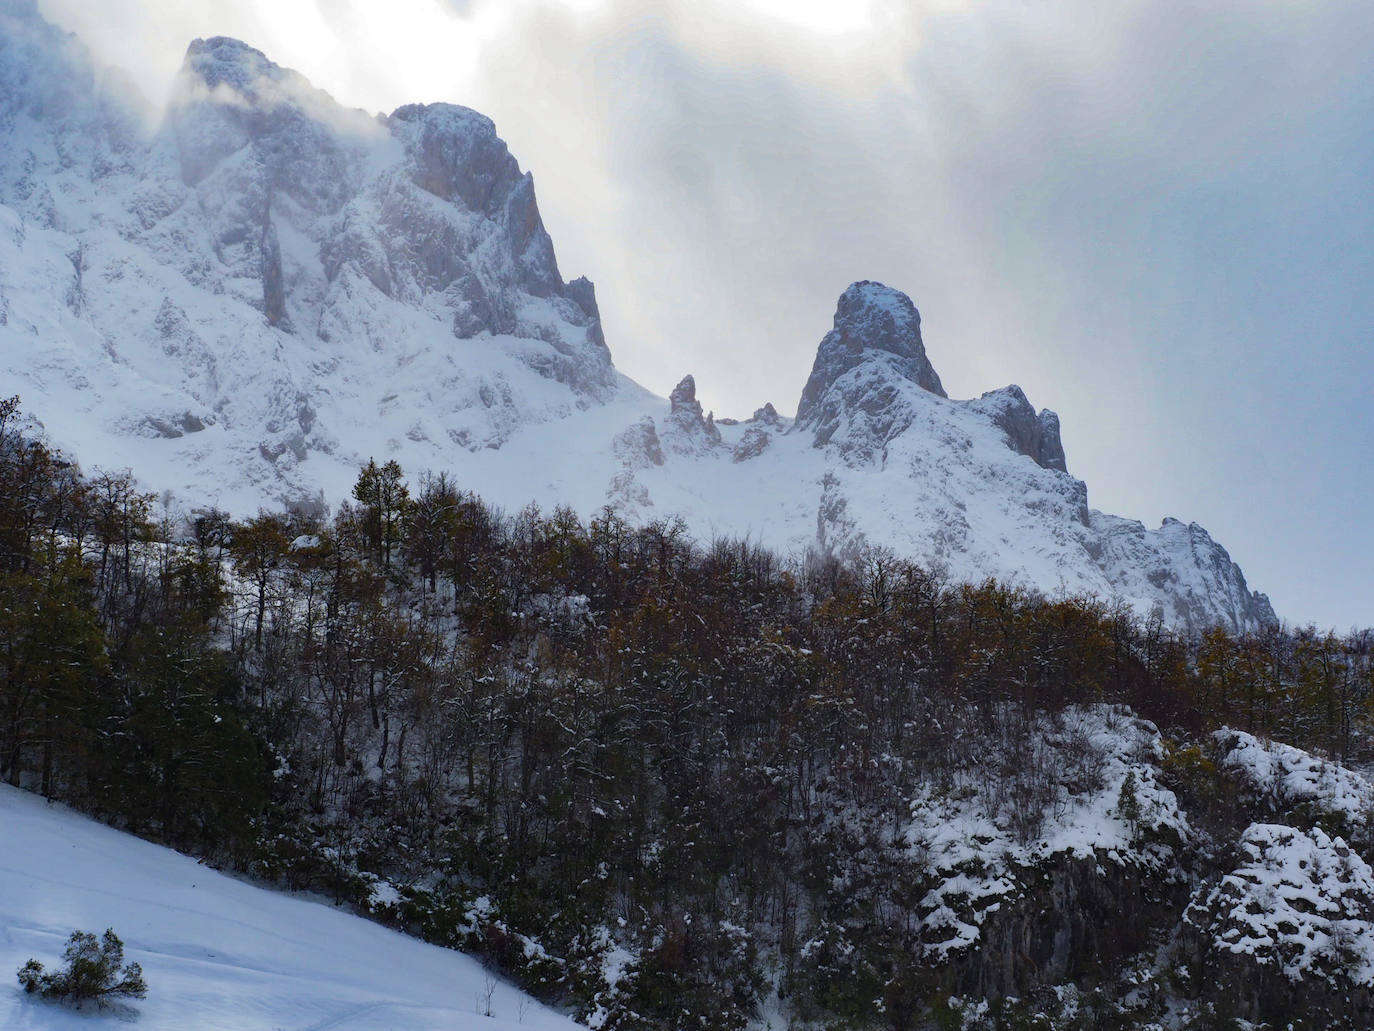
[457, 154]
[873, 324]
[866, 367]
[224, 61]
[229, 95]
[684, 397]
[345, 219]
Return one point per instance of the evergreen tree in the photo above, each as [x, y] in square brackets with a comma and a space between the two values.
[386, 504]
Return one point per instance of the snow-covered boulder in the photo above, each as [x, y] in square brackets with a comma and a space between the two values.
[1290, 929]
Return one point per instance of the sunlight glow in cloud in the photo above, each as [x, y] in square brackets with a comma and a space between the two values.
[824, 16]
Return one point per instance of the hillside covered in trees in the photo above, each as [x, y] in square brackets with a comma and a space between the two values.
[671, 783]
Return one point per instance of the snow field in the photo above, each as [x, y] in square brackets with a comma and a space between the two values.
[220, 954]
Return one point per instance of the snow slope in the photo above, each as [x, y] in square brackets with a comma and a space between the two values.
[219, 954]
[246, 303]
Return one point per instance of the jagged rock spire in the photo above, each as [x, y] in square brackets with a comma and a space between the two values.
[687, 429]
[684, 397]
[864, 366]
[873, 322]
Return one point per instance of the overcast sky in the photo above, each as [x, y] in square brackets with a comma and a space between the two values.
[1156, 217]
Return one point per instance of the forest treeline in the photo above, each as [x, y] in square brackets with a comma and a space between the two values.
[655, 779]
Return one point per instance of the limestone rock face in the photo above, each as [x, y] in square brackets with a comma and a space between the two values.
[687, 431]
[1029, 434]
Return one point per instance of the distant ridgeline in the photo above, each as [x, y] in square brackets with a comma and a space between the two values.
[248, 296]
[665, 783]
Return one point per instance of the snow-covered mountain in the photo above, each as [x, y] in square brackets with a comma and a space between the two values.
[247, 301]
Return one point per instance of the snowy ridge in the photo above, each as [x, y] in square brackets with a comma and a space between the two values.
[247, 303]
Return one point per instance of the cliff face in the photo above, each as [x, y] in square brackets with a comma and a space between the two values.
[248, 301]
[277, 283]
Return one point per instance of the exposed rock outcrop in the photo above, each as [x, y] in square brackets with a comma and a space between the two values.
[687, 431]
[767, 415]
[1029, 434]
[752, 444]
[638, 446]
[876, 339]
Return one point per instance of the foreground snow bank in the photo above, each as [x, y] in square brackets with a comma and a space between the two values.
[216, 952]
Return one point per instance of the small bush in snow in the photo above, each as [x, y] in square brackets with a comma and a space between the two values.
[1127, 804]
[95, 970]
